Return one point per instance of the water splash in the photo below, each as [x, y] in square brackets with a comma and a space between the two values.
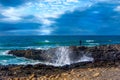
[63, 57]
[62, 54]
[85, 58]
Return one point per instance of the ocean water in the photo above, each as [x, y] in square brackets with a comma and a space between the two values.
[44, 42]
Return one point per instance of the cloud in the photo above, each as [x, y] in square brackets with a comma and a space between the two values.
[10, 15]
[15, 28]
[44, 9]
[97, 20]
[117, 8]
[48, 17]
[19, 32]
[45, 31]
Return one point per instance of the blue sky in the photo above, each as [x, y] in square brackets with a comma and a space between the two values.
[59, 17]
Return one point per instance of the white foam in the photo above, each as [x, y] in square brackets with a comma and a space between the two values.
[89, 40]
[4, 52]
[85, 58]
[47, 41]
[62, 54]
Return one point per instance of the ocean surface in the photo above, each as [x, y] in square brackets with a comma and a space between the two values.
[44, 42]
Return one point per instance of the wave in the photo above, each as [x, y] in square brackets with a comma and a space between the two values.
[6, 59]
[4, 52]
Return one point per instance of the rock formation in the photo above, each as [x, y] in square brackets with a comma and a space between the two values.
[98, 53]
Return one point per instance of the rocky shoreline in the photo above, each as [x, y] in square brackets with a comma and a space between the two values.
[98, 53]
[105, 66]
[45, 72]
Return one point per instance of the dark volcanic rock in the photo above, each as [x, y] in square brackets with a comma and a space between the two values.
[42, 70]
[104, 56]
[98, 53]
[76, 53]
[49, 55]
[109, 52]
[31, 54]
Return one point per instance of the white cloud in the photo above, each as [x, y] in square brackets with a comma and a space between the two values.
[48, 8]
[46, 22]
[45, 32]
[59, 1]
[11, 14]
[72, 0]
[45, 9]
[117, 9]
[51, 9]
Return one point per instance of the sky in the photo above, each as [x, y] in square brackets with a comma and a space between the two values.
[59, 17]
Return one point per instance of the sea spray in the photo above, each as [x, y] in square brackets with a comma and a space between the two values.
[85, 58]
[62, 54]
[4, 52]
[63, 57]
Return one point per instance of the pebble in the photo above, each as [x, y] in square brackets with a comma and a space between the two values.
[32, 76]
[96, 74]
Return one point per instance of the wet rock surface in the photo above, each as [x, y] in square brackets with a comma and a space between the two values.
[105, 52]
[90, 71]
[106, 65]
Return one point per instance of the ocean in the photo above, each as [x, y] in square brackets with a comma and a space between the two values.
[44, 42]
